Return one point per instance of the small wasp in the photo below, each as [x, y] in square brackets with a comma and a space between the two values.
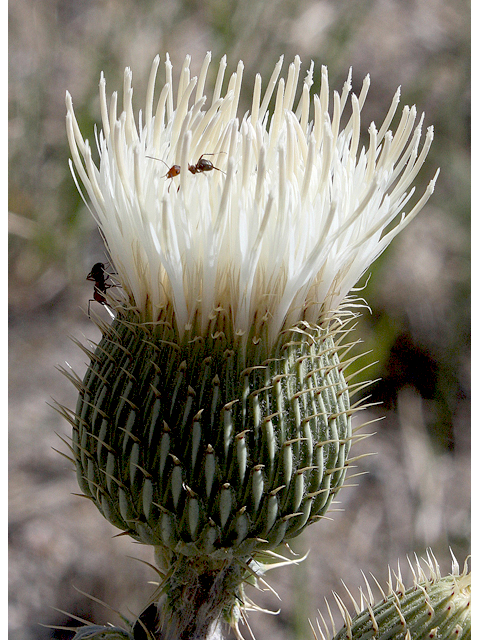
[100, 277]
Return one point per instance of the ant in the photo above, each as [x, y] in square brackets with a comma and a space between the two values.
[99, 276]
[171, 173]
[204, 165]
[201, 166]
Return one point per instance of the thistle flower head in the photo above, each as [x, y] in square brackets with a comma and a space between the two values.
[280, 231]
[214, 420]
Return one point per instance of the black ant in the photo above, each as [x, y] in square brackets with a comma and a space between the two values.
[204, 165]
[99, 276]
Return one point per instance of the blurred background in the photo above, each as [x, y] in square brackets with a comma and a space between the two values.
[417, 490]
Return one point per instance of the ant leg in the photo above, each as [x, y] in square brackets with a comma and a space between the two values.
[109, 274]
[104, 304]
[211, 154]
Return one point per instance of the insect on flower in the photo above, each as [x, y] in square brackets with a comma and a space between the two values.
[100, 277]
[204, 165]
[201, 166]
[171, 173]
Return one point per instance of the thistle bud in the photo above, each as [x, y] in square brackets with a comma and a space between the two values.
[435, 607]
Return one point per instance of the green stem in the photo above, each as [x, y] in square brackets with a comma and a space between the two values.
[198, 594]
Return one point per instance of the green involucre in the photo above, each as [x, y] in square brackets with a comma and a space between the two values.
[205, 445]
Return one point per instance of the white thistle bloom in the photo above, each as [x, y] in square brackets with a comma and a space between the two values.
[296, 212]
[214, 421]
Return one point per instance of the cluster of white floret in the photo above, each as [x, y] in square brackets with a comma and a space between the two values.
[293, 214]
